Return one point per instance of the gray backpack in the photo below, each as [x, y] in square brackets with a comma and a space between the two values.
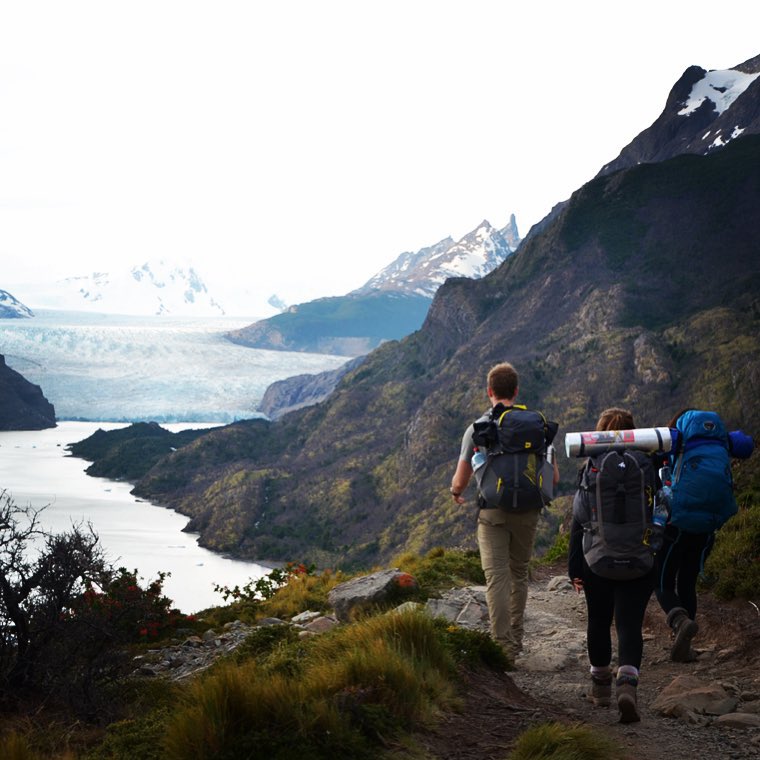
[614, 505]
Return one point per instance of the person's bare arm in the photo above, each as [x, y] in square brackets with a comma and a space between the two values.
[460, 480]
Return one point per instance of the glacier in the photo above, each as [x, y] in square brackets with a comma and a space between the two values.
[105, 367]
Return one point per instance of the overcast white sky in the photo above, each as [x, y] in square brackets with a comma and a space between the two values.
[298, 147]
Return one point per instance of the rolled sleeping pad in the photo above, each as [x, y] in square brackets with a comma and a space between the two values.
[596, 442]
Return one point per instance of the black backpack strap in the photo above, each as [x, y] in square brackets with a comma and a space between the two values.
[551, 429]
[583, 475]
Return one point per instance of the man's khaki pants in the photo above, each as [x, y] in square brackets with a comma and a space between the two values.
[506, 545]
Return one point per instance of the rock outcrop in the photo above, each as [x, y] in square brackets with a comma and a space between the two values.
[299, 391]
[22, 404]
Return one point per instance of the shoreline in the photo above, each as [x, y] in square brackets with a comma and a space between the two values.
[36, 469]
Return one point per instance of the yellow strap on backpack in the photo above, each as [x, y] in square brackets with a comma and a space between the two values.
[525, 409]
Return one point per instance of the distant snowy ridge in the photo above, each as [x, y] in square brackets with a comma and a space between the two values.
[12, 308]
[167, 288]
[153, 288]
[422, 273]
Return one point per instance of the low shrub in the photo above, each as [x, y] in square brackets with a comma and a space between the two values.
[733, 568]
[472, 648]
[283, 592]
[262, 641]
[133, 738]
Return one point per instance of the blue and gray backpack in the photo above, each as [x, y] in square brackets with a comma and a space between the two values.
[703, 488]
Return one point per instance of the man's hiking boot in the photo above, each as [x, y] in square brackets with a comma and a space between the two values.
[625, 690]
[684, 630]
[601, 688]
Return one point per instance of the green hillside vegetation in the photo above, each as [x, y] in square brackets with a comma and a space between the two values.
[359, 691]
[315, 325]
[643, 292]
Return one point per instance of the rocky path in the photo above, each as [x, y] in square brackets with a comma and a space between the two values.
[553, 671]
[714, 713]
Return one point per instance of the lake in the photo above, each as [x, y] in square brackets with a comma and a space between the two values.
[36, 470]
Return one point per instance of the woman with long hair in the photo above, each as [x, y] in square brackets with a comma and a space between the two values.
[625, 601]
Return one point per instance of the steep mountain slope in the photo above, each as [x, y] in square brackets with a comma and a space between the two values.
[644, 291]
[391, 305]
[705, 110]
[22, 405]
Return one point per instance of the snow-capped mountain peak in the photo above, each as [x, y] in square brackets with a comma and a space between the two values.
[11, 307]
[721, 87]
[705, 110]
[422, 273]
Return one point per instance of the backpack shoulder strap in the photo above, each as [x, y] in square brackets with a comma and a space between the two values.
[583, 475]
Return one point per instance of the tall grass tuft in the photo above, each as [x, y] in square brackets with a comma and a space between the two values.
[413, 634]
[15, 747]
[237, 713]
[557, 741]
[351, 689]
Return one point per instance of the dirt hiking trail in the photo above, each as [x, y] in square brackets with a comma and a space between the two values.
[551, 680]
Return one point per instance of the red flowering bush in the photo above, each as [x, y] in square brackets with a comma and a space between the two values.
[404, 580]
[130, 612]
[66, 614]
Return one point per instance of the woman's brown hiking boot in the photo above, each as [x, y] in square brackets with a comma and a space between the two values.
[601, 688]
[684, 630]
[625, 690]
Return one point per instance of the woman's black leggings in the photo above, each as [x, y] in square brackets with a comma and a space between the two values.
[678, 566]
[626, 602]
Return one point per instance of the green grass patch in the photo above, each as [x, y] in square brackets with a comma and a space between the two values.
[441, 569]
[558, 741]
[558, 550]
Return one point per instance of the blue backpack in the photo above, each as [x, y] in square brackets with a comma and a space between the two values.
[703, 488]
